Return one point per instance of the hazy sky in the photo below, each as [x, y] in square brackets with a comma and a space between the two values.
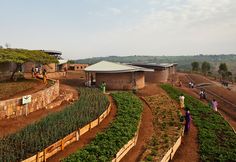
[88, 28]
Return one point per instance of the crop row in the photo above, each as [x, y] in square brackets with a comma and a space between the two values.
[216, 138]
[39, 135]
[106, 144]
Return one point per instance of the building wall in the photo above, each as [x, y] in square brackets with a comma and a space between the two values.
[120, 81]
[27, 67]
[157, 76]
[13, 107]
[77, 67]
[6, 70]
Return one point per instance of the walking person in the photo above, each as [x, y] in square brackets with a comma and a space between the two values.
[187, 120]
[201, 94]
[181, 101]
[214, 104]
[44, 76]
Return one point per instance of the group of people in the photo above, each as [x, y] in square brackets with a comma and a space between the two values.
[36, 72]
[202, 94]
[213, 105]
[191, 85]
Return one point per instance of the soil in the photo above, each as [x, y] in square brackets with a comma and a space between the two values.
[227, 110]
[87, 137]
[13, 89]
[188, 150]
[145, 133]
[12, 125]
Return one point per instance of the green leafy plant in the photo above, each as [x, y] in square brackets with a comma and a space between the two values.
[39, 135]
[216, 138]
[106, 144]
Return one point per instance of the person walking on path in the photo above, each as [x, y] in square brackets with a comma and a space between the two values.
[103, 87]
[181, 101]
[187, 120]
[44, 76]
[214, 104]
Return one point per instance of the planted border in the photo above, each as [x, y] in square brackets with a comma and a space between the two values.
[216, 137]
[37, 136]
[106, 144]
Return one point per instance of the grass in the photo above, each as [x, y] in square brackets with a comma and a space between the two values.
[10, 88]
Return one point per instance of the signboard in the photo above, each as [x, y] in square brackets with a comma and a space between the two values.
[26, 99]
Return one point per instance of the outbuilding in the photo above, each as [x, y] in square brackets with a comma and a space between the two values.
[162, 72]
[116, 76]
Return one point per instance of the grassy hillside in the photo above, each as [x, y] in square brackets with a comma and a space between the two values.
[184, 62]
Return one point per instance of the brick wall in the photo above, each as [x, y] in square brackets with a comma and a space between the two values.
[157, 76]
[121, 81]
[13, 107]
[77, 67]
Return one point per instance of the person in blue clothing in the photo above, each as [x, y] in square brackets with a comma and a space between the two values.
[187, 120]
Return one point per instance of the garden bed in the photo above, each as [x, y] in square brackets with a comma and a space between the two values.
[12, 88]
[216, 138]
[106, 144]
[167, 126]
[37, 136]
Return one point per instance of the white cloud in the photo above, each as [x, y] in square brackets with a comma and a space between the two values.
[115, 11]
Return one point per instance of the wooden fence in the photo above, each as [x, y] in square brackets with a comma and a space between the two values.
[72, 137]
[171, 152]
[125, 149]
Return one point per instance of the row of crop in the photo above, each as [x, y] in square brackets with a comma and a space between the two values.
[216, 138]
[39, 135]
[106, 144]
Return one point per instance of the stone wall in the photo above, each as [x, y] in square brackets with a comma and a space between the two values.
[55, 75]
[157, 76]
[120, 81]
[13, 107]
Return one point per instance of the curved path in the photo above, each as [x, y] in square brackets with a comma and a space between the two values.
[12, 125]
[87, 137]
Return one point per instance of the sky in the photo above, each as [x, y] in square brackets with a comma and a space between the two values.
[92, 28]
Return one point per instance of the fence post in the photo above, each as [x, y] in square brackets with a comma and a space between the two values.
[62, 144]
[77, 135]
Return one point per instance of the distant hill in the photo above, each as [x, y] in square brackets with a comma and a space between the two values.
[184, 62]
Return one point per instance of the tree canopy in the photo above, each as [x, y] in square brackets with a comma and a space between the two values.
[206, 67]
[20, 56]
[195, 66]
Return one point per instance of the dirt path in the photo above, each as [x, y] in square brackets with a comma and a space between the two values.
[87, 137]
[188, 150]
[145, 133]
[227, 110]
[12, 125]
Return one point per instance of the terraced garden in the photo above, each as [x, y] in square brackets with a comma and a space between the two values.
[216, 138]
[167, 126]
[39, 135]
[106, 144]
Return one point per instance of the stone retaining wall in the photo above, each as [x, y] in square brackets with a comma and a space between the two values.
[14, 107]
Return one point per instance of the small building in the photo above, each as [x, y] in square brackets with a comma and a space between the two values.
[162, 72]
[77, 67]
[116, 76]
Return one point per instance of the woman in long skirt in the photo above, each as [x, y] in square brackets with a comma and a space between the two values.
[187, 120]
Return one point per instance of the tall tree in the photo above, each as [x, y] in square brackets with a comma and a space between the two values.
[21, 56]
[195, 66]
[206, 67]
[223, 69]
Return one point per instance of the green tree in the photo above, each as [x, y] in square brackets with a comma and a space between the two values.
[195, 66]
[206, 67]
[21, 56]
[223, 69]
[71, 62]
